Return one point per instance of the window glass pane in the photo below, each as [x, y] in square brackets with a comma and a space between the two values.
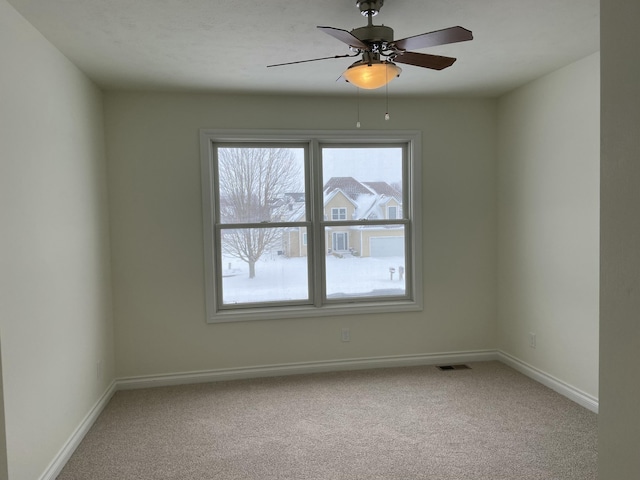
[261, 184]
[361, 182]
[258, 266]
[365, 261]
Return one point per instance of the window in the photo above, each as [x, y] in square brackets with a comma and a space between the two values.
[338, 214]
[299, 223]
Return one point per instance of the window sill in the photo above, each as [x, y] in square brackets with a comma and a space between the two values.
[305, 311]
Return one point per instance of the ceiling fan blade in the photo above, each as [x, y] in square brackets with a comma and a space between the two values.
[311, 60]
[431, 39]
[345, 37]
[435, 62]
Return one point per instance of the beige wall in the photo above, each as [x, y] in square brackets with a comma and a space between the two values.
[55, 314]
[339, 201]
[156, 221]
[293, 242]
[619, 434]
[4, 471]
[548, 223]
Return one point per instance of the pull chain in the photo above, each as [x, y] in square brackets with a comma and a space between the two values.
[358, 107]
[386, 89]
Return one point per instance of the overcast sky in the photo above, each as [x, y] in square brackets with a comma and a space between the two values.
[363, 164]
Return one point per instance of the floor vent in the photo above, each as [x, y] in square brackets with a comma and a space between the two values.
[453, 367]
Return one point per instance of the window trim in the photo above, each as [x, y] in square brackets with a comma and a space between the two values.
[314, 138]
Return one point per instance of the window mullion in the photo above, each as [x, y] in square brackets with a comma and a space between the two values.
[317, 205]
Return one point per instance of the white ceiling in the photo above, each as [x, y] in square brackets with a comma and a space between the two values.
[225, 45]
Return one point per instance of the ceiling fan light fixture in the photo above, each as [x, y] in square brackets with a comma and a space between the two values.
[372, 75]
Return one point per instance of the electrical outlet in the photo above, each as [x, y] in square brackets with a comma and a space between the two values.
[346, 335]
[532, 340]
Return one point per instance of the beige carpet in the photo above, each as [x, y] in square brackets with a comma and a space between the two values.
[486, 423]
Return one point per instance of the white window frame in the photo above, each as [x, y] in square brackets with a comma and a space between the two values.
[412, 301]
[397, 215]
[337, 213]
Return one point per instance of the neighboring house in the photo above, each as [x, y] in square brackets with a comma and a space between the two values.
[345, 198]
[291, 208]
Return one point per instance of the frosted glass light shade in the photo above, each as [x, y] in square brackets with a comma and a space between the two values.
[376, 75]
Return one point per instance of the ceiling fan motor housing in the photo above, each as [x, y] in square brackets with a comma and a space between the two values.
[369, 7]
[374, 34]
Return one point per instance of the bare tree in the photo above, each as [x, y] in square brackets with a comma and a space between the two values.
[397, 186]
[251, 183]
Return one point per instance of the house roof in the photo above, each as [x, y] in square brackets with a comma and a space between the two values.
[290, 207]
[347, 185]
[367, 197]
[383, 188]
[295, 196]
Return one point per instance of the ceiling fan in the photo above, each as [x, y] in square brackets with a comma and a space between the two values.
[380, 52]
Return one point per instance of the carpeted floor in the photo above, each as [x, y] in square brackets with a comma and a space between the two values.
[486, 423]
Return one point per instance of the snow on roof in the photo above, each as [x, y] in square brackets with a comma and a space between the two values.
[368, 197]
[290, 207]
[383, 188]
[292, 212]
[348, 185]
[296, 214]
[295, 196]
[366, 205]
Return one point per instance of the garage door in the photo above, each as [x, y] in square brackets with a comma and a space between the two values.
[387, 246]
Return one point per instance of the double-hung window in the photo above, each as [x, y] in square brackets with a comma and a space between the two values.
[298, 223]
[339, 213]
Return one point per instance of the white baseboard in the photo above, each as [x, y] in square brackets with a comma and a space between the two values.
[63, 456]
[302, 368]
[581, 398]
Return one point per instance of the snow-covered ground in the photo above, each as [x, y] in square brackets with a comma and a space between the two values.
[281, 279]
